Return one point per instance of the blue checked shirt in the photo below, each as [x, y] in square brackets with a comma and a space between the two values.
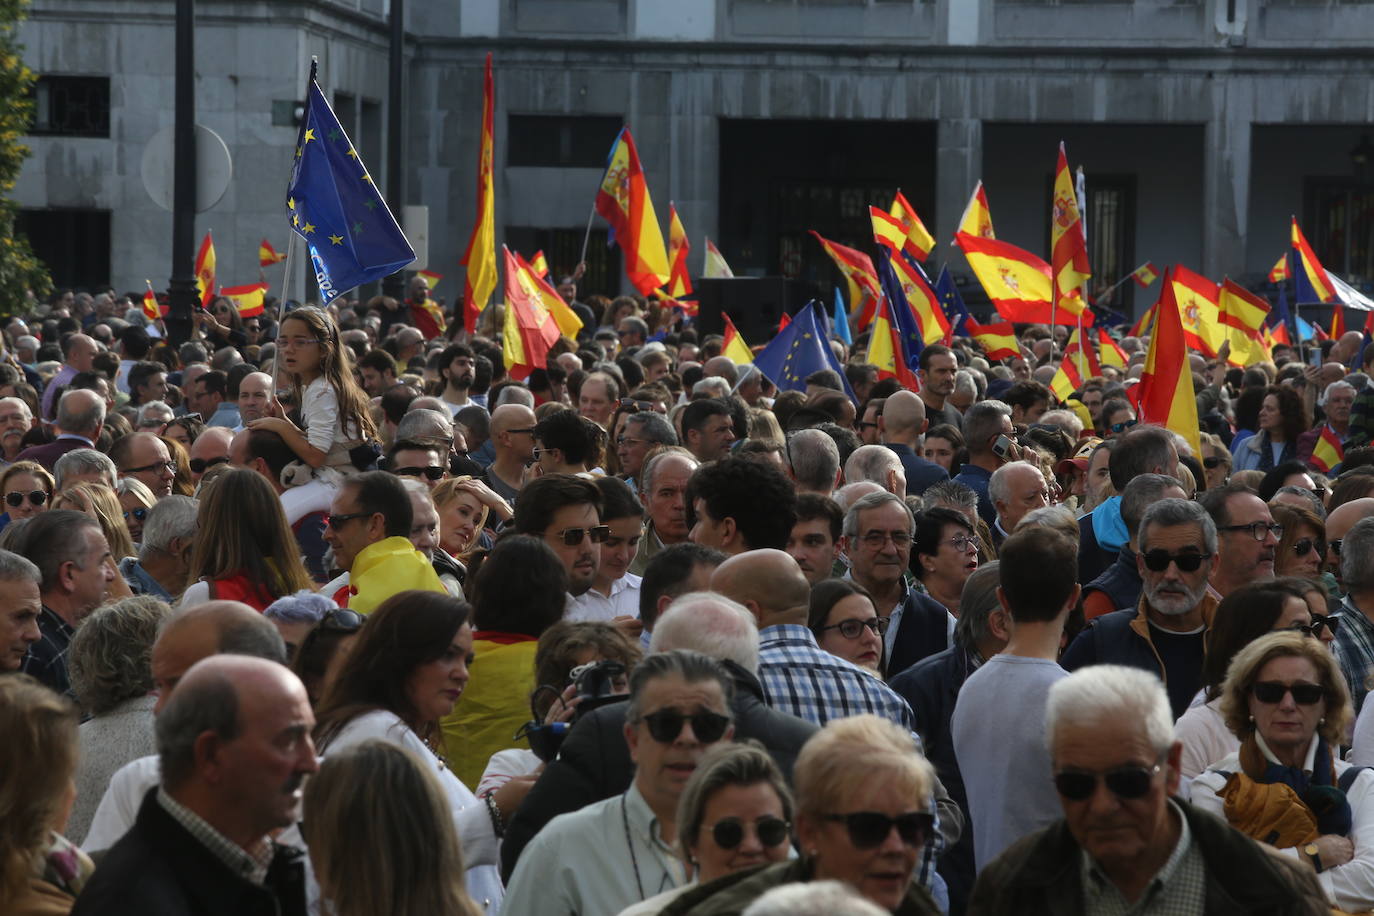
[1354, 648]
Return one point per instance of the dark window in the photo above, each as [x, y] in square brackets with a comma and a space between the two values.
[73, 244]
[560, 141]
[1339, 224]
[71, 106]
[1110, 217]
[562, 247]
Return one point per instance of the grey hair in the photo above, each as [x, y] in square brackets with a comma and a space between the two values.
[1142, 492]
[709, 623]
[692, 667]
[712, 385]
[851, 493]
[72, 420]
[1313, 499]
[1169, 512]
[1335, 386]
[206, 704]
[424, 424]
[978, 601]
[1102, 693]
[998, 487]
[110, 658]
[84, 461]
[654, 427]
[815, 459]
[416, 487]
[874, 501]
[1058, 517]
[304, 606]
[983, 421]
[965, 383]
[639, 325]
[950, 493]
[16, 568]
[138, 488]
[813, 898]
[515, 394]
[1066, 420]
[169, 518]
[743, 763]
[646, 472]
[1357, 556]
[145, 410]
[871, 463]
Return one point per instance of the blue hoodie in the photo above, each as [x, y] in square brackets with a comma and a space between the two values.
[1108, 526]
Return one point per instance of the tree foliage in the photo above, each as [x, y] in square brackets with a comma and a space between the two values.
[21, 273]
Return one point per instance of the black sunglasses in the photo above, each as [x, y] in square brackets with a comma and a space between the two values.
[1159, 560]
[1211, 462]
[1123, 782]
[169, 466]
[1335, 545]
[868, 829]
[1271, 693]
[1330, 621]
[337, 521]
[1123, 425]
[571, 537]
[36, 497]
[1303, 546]
[729, 832]
[666, 725]
[853, 627]
[139, 513]
[430, 472]
[201, 465]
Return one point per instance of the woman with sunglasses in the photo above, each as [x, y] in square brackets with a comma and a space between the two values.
[845, 623]
[735, 814]
[406, 669]
[1216, 460]
[27, 486]
[1243, 616]
[1286, 700]
[944, 553]
[1302, 548]
[863, 824]
[135, 499]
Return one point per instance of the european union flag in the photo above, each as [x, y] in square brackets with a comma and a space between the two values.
[841, 320]
[952, 303]
[334, 206]
[913, 342]
[799, 350]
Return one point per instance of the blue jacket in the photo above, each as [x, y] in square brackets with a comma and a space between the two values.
[919, 472]
[977, 479]
[1121, 581]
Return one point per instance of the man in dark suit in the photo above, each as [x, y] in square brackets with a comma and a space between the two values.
[80, 417]
[900, 427]
[234, 747]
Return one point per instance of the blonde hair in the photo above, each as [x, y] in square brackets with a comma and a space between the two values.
[763, 425]
[181, 482]
[336, 367]
[826, 772]
[1245, 668]
[40, 732]
[37, 470]
[101, 504]
[446, 493]
[384, 792]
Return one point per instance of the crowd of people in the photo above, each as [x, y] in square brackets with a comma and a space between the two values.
[313, 613]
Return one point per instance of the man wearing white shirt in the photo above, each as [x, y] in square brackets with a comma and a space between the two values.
[614, 595]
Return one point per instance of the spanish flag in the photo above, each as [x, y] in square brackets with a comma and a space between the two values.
[1328, 452]
[1243, 315]
[1017, 282]
[480, 257]
[1145, 274]
[1068, 246]
[247, 299]
[977, 218]
[714, 267]
[623, 201]
[205, 270]
[540, 288]
[886, 350]
[734, 345]
[1143, 324]
[859, 273]
[925, 305]
[998, 339]
[887, 230]
[1337, 321]
[1196, 297]
[267, 255]
[679, 283]
[1079, 365]
[919, 241]
[1310, 267]
[430, 276]
[1109, 352]
[1165, 394]
[152, 310]
[1279, 272]
[539, 264]
[529, 330]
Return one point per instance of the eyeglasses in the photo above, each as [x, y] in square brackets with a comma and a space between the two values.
[430, 472]
[1123, 425]
[337, 521]
[527, 430]
[1330, 621]
[154, 422]
[1123, 782]
[571, 537]
[289, 342]
[169, 466]
[1271, 693]
[629, 440]
[666, 725]
[627, 403]
[868, 829]
[539, 452]
[874, 540]
[729, 832]
[1335, 545]
[1303, 546]
[1159, 560]
[1257, 529]
[851, 628]
[201, 465]
[864, 424]
[962, 542]
[140, 513]
[16, 499]
[1213, 462]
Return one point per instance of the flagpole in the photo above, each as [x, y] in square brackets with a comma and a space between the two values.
[292, 240]
[586, 236]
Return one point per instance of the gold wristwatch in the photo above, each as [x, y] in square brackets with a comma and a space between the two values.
[1310, 850]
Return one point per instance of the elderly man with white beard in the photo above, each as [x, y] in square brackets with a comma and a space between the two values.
[15, 420]
[1166, 633]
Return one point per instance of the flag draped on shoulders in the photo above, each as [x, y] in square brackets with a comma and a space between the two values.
[480, 256]
[1165, 394]
[623, 201]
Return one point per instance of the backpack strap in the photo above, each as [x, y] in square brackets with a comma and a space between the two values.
[1347, 779]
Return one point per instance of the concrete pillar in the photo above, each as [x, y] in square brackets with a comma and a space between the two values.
[958, 166]
[1226, 184]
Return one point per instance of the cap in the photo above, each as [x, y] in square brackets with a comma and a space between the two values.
[1079, 459]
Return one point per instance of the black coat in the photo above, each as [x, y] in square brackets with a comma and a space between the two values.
[594, 762]
[922, 632]
[158, 868]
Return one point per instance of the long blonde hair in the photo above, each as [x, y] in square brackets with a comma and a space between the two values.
[336, 367]
[384, 792]
[101, 503]
[446, 493]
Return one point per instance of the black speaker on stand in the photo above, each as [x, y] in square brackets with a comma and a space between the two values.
[754, 304]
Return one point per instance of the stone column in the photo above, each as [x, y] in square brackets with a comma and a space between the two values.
[958, 166]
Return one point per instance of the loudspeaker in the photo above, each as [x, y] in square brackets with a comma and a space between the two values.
[754, 304]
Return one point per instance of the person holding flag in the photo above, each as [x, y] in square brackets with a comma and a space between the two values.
[1322, 448]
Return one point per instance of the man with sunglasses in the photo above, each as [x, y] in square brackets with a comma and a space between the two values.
[565, 511]
[418, 459]
[1126, 842]
[620, 851]
[1166, 633]
[210, 448]
[1119, 586]
[512, 438]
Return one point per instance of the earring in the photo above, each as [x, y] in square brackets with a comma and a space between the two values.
[1252, 718]
[1322, 720]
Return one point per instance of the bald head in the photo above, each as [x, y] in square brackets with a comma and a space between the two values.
[81, 411]
[510, 416]
[767, 582]
[1344, 517]
[721, 367]
[903, 419]
[210, 445]
[213, 628]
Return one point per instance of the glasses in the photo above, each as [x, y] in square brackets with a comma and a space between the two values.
[1335, 545]
[16, 499]
[539, 452]
[729, 832]
[291, 342]
[853, 627]
[169, 466]
[1304, 546]
[868, 829]
[1257, 529]
[1124, 782]
[154, 422]
[431, 473]
[1213, 462]
[666, 725]
[337, 521]
[1271, 693]
[527, 430]
[571, 537]
[139, 514]
[629, 440]
[874, 540]
[1159, 560]
[864, 424]
[627, 403]
[962, 542]
[1330, 621]
[1123, 425]
[340, 621]
[201, 465]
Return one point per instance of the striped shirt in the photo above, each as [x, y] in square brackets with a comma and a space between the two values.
[1354, 648]
[801, 678]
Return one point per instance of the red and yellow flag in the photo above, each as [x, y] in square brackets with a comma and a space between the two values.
[1328, 452]
[480, 257]
[925, 305]
[1279, 272]
[1165, 394]
[1068, 246]
[885, 348]
[734, 345]
[540, 288]
[859, 274]
[715, 266]
[1109, 352]
[888, 231]
[529, 330]
[431, 277]
[1196, 297]
[998, 339]
[539, 264]
[267, 255]
[1017, 282]
[247, 299]
[679, 282]
[1143, 324]
[205, 270]
[1242, 315]
[977, 218]
[1145, 274]
[1308, 264]
[1337, 321]
[1068, 379]
[152, 310]
[623, 201]
[918, 240]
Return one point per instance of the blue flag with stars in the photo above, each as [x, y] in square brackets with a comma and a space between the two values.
[952, 303]
[333, 205]
[800, 349]
[841, 320]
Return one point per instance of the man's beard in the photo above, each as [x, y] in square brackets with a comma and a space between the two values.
[1173, 603]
